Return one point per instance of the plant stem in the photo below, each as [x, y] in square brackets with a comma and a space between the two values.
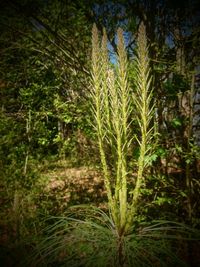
[97, 95]
[145, 111]
[112, 107]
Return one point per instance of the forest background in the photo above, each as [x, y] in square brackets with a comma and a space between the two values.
[49, 157]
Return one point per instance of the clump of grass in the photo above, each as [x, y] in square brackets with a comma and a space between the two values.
[91, 239]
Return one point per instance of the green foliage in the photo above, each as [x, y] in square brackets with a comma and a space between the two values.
[87, 236]
[112, 109]
[45, 122]
[178, 84]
